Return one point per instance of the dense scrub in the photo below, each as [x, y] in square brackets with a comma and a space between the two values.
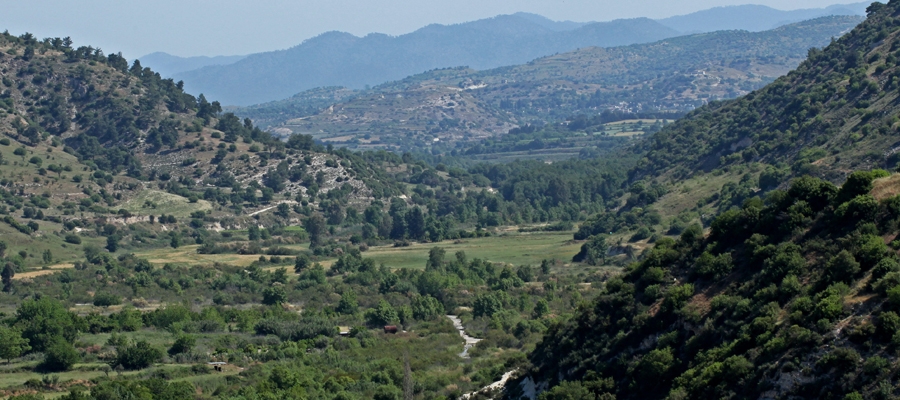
[787, 296]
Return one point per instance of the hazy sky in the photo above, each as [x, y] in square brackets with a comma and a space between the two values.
[228, 27]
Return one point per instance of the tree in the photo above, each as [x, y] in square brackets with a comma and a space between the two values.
[315, 226]
[525, 273]
[44, 320]
[103, 299]
[435, 258]
[387, 392]
[112, 243]
[9, 271]
[415, 224]
[253, 233]
[383, 314]
[594, 251]
[568, 390]
[541, 308]
[426, 308]
[59, 355]
[301, 263]
[12, 344]
[283, 210]
[183, 344]
[280, 275]
[274, 295]
[486, 305]
[842, 268]
[348, 303]
[137, 356]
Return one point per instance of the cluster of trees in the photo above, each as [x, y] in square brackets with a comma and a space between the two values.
[511, 307]
[781, 269]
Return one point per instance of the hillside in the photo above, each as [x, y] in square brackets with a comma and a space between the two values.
[793, 292]
[144, 234]
[90, 142]
[341, 59]
[432, 111]
[833, 114]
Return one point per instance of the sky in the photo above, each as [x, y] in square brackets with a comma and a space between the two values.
[232, 27]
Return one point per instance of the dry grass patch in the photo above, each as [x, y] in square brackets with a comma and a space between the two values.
[884, 188]
[50, 270]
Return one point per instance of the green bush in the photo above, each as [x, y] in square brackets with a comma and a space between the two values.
[137, 356]
[184, 344]
[103, 299]
[60, 355]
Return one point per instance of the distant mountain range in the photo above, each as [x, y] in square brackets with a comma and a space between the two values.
[754, 18]
[341, 59]
[443, 107]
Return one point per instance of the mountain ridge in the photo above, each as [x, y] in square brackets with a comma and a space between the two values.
[676, 74]
[753, 17]
[374, 59]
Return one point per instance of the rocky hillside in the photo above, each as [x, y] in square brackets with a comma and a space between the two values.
[91, 140]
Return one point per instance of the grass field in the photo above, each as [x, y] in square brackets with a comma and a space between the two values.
[188, 255]
[512, 248]
[155, 202]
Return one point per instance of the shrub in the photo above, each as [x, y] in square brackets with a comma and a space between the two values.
[103, 299]
[137, 356]
[60, 355]
[842, 268]
[184, 344]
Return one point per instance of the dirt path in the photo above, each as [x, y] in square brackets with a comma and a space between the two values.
[470, 341]
[494, 386]
[275, 206]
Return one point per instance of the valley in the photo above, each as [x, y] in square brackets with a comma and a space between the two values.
[712, 215]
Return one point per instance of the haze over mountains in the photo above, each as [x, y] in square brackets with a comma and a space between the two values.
[168, 65]
[341, 59]
[754, 18]
[445, 107]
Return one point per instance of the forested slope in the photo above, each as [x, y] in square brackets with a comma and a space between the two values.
[842, 101]
[794, 293]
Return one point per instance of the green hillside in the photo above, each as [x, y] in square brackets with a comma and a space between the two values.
[145, 233]
[793, 291]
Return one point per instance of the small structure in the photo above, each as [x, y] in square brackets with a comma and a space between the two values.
[217, 365]
[390, 329]
[344, 330]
